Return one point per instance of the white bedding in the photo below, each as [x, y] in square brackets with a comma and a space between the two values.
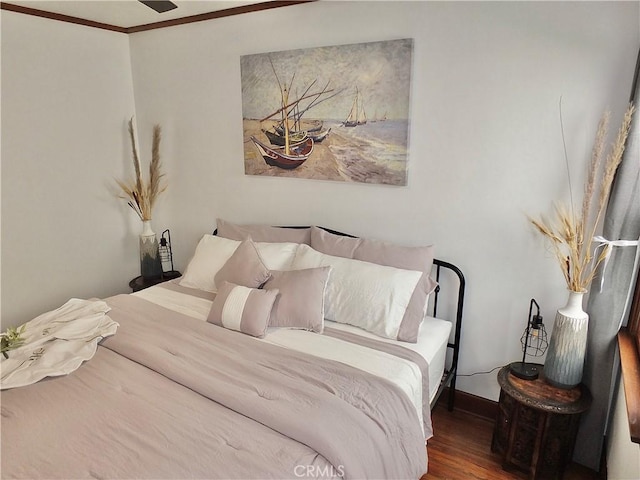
[57, 342]
[431, 344]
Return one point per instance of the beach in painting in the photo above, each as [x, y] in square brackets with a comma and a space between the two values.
[375, 152]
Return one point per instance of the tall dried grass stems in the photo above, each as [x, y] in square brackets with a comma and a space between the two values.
[571, 234]
[140, 195]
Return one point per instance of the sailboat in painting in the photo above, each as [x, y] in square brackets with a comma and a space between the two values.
[279, 157]
[317, 132]
[357, 115]
[376, 118]
[312, 128]
[290, 155]
[279, 139]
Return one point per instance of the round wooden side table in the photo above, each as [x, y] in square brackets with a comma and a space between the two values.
[140, 283]
[537, 424]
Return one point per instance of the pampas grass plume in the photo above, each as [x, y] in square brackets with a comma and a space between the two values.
[140, 195]
[570, 234]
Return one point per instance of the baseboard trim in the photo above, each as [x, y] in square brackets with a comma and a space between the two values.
[470, 403]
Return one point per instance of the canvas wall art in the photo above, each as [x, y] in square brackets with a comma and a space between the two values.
[329, 113]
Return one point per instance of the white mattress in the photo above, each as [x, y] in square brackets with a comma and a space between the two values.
[431, 345]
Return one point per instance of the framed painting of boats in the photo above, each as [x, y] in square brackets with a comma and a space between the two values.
[329, 113]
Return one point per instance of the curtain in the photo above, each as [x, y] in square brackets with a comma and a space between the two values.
[608, 307]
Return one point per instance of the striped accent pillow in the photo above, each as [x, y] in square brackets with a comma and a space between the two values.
[243, 309]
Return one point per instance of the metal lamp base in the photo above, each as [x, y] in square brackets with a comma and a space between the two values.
[526, 371]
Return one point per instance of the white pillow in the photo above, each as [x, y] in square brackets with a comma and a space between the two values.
[210, 256]
[277, 256]
[213, 252]
[372, 297]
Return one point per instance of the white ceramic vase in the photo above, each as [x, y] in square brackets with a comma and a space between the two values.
[150, 263]
[567, 348]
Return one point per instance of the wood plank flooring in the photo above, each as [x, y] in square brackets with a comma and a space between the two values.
[461, 450]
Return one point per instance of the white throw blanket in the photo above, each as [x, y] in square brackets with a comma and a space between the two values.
[57, 342]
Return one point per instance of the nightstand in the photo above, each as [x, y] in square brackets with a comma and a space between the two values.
[140, 283]
[537, 424]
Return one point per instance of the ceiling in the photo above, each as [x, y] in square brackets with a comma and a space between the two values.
[128, 13]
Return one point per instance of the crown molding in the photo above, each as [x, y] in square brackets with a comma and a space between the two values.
[227, 12]
[60, 17]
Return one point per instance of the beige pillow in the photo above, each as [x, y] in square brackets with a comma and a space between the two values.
[409, 258]
[245, 267]
[301, 300]
[331, 244]
[242, 309]
[263, 233]
[391, 255]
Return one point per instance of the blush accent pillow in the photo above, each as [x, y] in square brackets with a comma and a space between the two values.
[372, 297]
[301, 300]
[263, 233]
[408, 258]
[245, 267]
[209, 257]
[332, 244]
[242, 309]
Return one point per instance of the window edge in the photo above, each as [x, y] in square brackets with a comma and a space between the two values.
[630, 362]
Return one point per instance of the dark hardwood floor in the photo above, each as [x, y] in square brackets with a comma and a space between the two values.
[461, 450]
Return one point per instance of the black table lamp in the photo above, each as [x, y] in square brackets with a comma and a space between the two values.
[533, 340]
[166, 255]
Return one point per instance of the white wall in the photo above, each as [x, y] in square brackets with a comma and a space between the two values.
[623, 456]
[66, 95]
[485, 145]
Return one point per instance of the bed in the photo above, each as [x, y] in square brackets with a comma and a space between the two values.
[191, 387]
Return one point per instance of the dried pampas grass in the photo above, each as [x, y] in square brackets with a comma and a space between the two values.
[142, 196]
[571, 235]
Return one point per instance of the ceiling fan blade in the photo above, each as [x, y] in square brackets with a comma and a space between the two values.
[159, 6]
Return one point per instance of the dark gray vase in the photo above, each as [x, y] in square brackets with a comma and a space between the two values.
[150, 262]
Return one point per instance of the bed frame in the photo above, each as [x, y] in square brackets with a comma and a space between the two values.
[450, 374]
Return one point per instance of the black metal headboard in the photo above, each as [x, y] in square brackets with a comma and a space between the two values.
[449, 378]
